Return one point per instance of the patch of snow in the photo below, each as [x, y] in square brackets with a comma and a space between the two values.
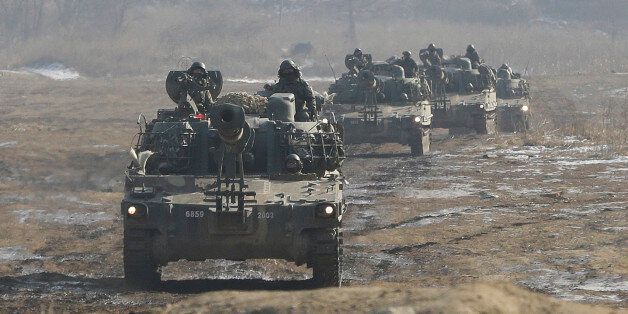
[568, 163]
[455, 190]
[605, 285]
[62, 217]
[619, 92]
[8, 144]
[16, 253]
[55, 71]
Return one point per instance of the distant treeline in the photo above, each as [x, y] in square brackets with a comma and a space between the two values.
[250, 37]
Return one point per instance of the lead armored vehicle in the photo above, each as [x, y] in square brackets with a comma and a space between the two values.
[513, 98]
[381, 105]
[463, 97]
[236, 187]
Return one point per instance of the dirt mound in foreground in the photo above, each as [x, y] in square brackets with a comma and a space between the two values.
[475, 298]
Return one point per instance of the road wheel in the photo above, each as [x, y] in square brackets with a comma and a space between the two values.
[327, 268]
[140, 269]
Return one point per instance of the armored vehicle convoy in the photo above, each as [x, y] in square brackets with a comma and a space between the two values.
[237, 187]
[463, 97]
[381, 105]
[513, 98]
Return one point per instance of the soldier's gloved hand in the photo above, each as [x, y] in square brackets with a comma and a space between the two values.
[267, 86]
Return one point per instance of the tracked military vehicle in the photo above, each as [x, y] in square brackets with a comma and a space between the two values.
[236, 187]
[513, 98]
[381, 105]
[463, 97]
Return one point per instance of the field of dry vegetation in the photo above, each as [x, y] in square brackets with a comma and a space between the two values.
[250, 37]
[517, 223]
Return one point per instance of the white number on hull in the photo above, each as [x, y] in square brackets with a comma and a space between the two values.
[194, 214]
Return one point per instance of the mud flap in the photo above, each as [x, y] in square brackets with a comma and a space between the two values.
[509, 121]
[420, 145]
[485, 124]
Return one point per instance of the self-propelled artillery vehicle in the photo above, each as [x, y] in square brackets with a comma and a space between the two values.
[381, 105]
[463, 97]
[236, 187]
[513, 98]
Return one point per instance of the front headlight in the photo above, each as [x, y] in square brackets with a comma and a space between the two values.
[481, 106]
[417, 119]
[325, 121]
[325, 210]
[293, 163]
[136, 211]
[524, 108]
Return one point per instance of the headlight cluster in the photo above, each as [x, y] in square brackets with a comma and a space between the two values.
[524, 108]
[481, 106]
[136, 210]
[417, 119]
[325, 210]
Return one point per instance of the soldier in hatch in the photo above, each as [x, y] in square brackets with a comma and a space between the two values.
[410, 68]
[356, 62]
[430, 56]
[196, 84]
[473, 55]
[505, 72]
[290, 81]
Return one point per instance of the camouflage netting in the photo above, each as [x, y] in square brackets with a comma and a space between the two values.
[250, 103]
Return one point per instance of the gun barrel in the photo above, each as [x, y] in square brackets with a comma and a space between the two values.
[230, 122]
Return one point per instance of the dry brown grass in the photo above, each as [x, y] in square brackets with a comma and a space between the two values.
[598, 117]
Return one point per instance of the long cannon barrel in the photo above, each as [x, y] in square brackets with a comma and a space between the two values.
[230, 122]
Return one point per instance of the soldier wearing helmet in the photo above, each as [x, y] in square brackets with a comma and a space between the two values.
[410, 68]
[196, 84]
[473, 55]
[356, 62]
[290, 81]
[431, 56]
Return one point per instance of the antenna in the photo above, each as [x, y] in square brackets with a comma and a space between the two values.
[332, 68]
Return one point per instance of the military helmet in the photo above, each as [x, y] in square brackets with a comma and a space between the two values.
[288, 64]
[406, 54]
[197, 65]
[470, 48]
[288, 67]
[431, 47]
[357, 52]
[504, 66]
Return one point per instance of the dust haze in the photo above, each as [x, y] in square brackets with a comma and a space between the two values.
[522, 222]
[249, 38]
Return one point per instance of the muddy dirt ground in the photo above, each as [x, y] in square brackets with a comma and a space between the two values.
[545, 210]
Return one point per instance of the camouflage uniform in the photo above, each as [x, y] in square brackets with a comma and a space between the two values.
[473, 55]
[290, 81]
[197, 85]
[505, 72]
[410, 68]
[430, 56]
[356, 62]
